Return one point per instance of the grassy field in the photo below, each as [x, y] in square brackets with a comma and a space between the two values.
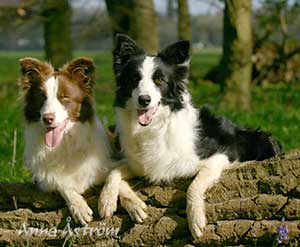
[274, 108]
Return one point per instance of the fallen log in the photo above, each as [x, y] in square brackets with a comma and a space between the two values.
[253, 204]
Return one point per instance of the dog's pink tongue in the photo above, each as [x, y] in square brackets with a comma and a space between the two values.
[53, 136]
[145, 116]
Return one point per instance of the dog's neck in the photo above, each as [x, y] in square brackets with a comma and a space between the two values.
[159, 146]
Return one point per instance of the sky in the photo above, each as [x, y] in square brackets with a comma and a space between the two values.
[198, 6]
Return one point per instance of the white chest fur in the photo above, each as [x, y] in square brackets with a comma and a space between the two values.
[79, 161]
[163, 150]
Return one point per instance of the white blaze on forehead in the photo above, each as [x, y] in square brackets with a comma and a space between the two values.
[51, 86]
[146, 85]
[52, 104]
[148, 68]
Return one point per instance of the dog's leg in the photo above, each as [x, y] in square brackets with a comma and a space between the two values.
[77, 206]
[132, 203]
[108, 199]
[209, 173]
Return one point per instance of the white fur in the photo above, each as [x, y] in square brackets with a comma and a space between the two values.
[146, 85]
[166, 148]
[209, 173]
[52, 104]
[80, 160]
[114, 186]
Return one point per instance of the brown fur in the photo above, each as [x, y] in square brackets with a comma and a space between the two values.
[76, 82]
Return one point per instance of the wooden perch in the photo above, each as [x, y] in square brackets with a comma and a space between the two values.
[245, 208]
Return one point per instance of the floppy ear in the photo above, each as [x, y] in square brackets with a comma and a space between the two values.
[125, 49]
[82, 69]
[176, 54]
[33, 70]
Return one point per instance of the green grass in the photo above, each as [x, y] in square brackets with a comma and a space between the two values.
[274, 108]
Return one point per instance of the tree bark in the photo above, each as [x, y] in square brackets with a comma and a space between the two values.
[171, 8]
[245, 208]
[236, 64]
[120, 15]
[57, 31]
[137, 19]
[184, 22]
[144, 28]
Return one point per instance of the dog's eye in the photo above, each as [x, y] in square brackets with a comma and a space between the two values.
[158, 81]
[31, 73]
[65, 99]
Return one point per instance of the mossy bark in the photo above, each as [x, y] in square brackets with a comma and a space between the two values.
[144, 26]
[57, 16]
[184, 22]
[236, 64]
[137, 19]
[245, 208]
[120, 15]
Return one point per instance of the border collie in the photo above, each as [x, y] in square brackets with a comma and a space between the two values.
[164, 136]
[66, 146]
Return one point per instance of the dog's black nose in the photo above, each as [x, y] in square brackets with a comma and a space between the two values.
[144, 100]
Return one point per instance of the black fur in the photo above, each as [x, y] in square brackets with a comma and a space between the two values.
[125, 49]
[218, 134]
[176, 53]
[128, 80]
[128, 58]
[172, 85]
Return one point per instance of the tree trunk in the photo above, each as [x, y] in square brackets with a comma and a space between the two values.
[245, 207]
[120, 15]
[57, 31]
[137, 19]
[236, 65]
[171, 8]
[184, 22]
[144, 26]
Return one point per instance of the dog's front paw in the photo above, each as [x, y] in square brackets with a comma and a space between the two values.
[108, 203]
[81, 212]
[135, 207]
[196, 219]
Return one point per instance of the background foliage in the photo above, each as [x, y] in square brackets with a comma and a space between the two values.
[276, 76]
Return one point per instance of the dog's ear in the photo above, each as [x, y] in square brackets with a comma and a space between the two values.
[33, 70]
[125, 49]
[82, 70]
[176, 54]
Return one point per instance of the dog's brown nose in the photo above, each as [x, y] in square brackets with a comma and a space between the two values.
[48, 118]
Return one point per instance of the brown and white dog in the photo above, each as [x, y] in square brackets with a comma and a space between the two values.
[66, 146]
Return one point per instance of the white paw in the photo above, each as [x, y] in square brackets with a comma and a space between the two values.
[196, 220]
[135, 207]
[81, 212]
[108, 203]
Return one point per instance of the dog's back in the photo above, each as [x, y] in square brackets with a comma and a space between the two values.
[219, 134]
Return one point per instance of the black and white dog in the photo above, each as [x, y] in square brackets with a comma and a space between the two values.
[164, 136]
